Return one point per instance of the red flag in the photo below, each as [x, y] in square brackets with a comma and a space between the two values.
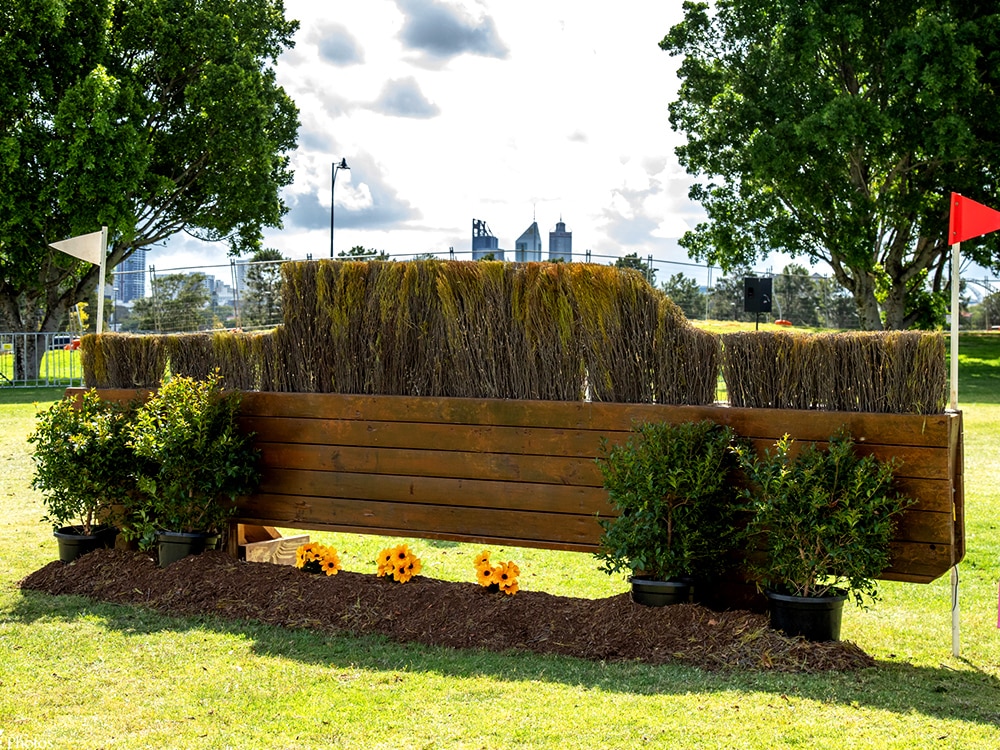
[970, 219]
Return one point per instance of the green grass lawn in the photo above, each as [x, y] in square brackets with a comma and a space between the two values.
[80, 674]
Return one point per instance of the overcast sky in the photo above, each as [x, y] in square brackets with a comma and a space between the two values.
[502, 110]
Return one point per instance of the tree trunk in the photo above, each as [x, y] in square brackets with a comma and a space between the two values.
[863, 289]
[28, 358]
[894, 307]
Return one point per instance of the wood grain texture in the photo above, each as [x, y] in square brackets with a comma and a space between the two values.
[524, 473]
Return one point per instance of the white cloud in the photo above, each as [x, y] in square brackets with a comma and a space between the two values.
[336, 44]
[403, 98]
[441, 31]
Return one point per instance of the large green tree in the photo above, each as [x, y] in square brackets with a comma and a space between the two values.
[835, 130]
[796, 296]
[685, 293]
[632, 260]
[179, 303]
[147, 116]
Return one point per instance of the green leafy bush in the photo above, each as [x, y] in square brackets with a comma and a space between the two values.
[199, 459]
[825, 517]
[671, 484]
[83, 462]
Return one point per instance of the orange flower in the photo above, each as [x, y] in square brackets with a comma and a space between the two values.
[385, 561]
[507, 578]
[482, 560]
[399, 562]
[317, 558]
[485, 575]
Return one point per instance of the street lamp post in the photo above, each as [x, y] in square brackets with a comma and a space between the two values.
[333, 182]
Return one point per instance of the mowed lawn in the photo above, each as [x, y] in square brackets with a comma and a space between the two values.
[80, 674]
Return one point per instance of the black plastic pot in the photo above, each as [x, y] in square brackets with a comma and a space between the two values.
[654, 593]
[175, 545]
[816, 618]
[73, 542]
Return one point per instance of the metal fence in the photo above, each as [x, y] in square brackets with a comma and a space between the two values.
[238, 296]
[803, 297]
[57, 356]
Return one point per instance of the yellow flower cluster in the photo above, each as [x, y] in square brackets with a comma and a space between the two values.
[503, 576]
[399, 562]
[317, 558]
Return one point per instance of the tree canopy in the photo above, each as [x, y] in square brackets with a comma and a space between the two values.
[632, 260]
[148, 116]
[262, 301]
[836, 131]
[685, 293]
[178, 303]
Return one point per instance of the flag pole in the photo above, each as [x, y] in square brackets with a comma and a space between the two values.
[100, 279]
[955, 248]
[955, 283]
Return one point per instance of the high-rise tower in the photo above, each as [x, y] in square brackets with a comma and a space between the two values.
[561, 243]
[484, 242]
[528, 248]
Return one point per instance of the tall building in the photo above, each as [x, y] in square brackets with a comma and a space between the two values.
[240, 267]
[484, 242]
[528, 248]
[561, 243]
[130, 277]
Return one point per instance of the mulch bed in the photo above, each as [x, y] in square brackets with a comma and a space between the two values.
[443, 613]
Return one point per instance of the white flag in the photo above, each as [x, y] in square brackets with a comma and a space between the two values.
[92, 248]
[88, 247]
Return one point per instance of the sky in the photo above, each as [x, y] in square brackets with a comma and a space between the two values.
[507, 111]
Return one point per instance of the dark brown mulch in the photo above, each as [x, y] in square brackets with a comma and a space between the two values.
[442, 613]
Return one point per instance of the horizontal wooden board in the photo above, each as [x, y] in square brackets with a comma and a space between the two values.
[531, 441]
[526, 526]
[440, 491]
[490, 466]
[757, 423]
[904, 429]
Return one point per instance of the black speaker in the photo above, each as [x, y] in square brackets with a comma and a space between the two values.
[757, 295]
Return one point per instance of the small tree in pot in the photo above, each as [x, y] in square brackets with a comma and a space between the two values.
[199, 462]
[84, 469]
[671, 486]
[825, 519]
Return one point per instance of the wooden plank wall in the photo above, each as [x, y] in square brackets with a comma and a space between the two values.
[523, 472]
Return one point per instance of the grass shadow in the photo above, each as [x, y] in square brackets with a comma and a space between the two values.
[979, 368]
[18, 396]
[968, 695]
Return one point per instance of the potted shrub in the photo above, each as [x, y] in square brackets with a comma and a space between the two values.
[671, 486]
[84, 469]
[825, 519]
[199, 462]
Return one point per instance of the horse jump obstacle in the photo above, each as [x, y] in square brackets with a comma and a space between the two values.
[523, 473]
